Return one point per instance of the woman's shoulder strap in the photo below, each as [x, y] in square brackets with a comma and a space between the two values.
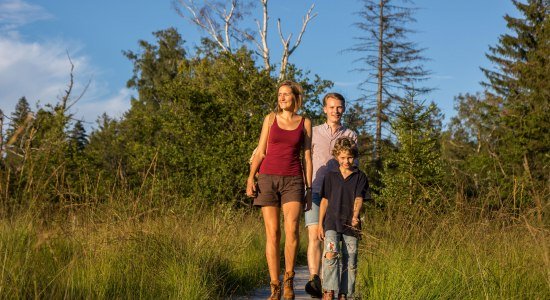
[271, 118]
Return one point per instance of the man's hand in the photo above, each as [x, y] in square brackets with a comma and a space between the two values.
[308, 200]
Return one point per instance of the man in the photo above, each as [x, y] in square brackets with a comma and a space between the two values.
[324, 137]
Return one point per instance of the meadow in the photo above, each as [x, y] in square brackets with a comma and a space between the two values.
[192, 252]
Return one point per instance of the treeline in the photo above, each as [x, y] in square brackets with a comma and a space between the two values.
[196, 118]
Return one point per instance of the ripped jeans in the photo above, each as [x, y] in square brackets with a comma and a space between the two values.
[339, 272]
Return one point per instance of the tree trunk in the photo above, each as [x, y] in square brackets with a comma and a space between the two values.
[378, 135]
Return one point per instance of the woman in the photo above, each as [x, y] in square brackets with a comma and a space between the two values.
[281, 180]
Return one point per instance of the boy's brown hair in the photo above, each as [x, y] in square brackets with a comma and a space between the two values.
[345, 144]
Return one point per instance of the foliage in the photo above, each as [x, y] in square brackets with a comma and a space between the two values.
[391, 61]
[499, 142]
[413, 174]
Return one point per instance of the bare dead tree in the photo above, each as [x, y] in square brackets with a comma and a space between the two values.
[213, 17]
[393, 64]
[287, 50]
[220, 23]
[1, 133]
[66, 100]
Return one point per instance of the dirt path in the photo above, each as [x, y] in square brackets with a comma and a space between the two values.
[300, 280]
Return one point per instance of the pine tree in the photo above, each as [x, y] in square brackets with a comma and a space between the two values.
[19, 117]
[391, 62]
[77, 137]
[521, 78]
[17, 132]
[413, 174]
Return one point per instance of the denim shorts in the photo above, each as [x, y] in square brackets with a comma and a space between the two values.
[312, 215]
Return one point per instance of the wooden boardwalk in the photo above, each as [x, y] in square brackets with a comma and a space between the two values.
[300, 280]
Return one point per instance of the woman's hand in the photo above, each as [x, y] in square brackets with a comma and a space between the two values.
[251, 187]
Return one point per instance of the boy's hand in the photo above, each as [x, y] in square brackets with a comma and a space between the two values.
[320, 233]
[355, 223]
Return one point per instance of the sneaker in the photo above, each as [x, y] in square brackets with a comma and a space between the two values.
[342, 297]
[313, 287]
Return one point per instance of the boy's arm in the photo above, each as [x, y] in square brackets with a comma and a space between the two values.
[357, 204]
[322, 213]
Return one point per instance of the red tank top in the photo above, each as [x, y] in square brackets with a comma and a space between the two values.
[283, 151]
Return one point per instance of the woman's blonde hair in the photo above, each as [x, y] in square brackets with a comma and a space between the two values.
[345, 144]
[297, 91]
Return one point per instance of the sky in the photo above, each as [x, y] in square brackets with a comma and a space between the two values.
[38, 36]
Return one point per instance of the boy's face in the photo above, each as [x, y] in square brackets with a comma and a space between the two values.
[345, 160]
[334, 109]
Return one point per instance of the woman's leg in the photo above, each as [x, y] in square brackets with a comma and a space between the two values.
[273, 240]
[291, 215]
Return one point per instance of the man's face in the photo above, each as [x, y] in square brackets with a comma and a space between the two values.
[334, 110]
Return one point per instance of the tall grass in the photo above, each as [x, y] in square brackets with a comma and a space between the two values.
[453, 257]
[191, 254]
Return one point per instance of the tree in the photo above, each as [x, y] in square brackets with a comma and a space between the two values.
[521, 79]
[20, 117]
[392, 63]
[155, 65]
[220, 22]
[471, 149]
[414, 173]
[78, 137]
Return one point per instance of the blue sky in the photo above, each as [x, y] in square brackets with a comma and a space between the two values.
[35, 37]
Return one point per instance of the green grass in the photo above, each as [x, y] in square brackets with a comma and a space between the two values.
[447, 258]
[212, 253]
[189, 255]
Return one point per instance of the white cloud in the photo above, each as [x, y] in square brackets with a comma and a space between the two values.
[114, 105]
[40, 71]
[16, 13]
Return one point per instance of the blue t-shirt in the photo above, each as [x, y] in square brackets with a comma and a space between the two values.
[341, 194]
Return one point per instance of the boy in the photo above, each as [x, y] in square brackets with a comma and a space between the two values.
[342, 193]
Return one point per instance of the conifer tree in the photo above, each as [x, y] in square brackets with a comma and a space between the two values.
[521, 79]
[78, 137]
[19, 116]
[413, 173]
[391, 62]
[20, 120]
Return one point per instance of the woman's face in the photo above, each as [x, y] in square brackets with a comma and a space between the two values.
[285, 98]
